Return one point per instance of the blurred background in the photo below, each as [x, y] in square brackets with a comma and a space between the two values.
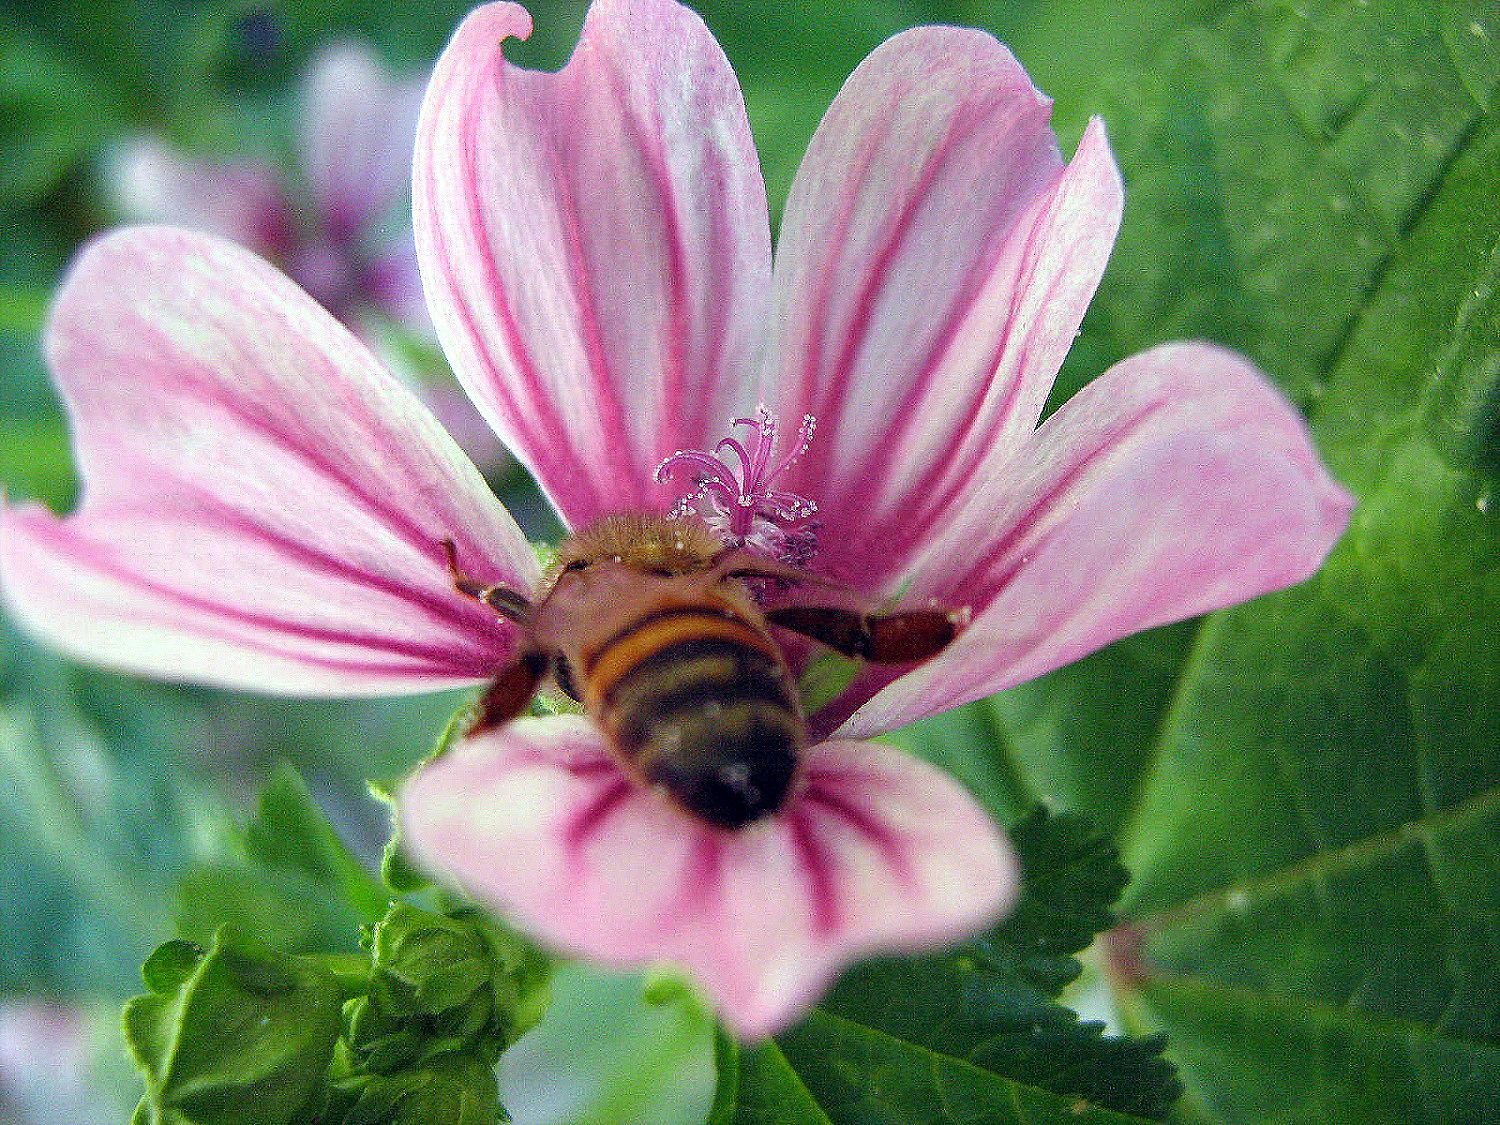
[1313, 184]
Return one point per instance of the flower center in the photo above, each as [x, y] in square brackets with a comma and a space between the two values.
[740, 501]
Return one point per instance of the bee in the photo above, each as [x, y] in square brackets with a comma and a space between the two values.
[653, 625]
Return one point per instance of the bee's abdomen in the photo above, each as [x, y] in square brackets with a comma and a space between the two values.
[698, 701]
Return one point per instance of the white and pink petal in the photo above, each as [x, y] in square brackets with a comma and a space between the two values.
[263, 504]
[877, 852]
[934, 265]
[241, 200]
[359, 124]
[1177, 483]
[594, 244]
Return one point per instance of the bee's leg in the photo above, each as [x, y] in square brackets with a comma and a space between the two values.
[888, 638]
[735, 562]
[502, 599]
[512, 690]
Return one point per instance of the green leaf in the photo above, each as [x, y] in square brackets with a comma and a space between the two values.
[170, 965]
[441, 983]
[1306, 788]
[972, 745]
[972, 1034]
[292, 879]
[1110, 702]
[54, 113]
[1073, 877]
[240, 1035]
[453, 1089]
[290, 832]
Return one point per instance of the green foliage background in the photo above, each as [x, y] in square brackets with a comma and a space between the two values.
[1306, 790]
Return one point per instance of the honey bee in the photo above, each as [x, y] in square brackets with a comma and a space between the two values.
[653, 625]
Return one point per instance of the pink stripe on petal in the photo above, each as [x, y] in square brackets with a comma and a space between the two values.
[878, 852]
[263, 505]
[935, 263]
[60, 588]
[1177, 483]
[594, 245]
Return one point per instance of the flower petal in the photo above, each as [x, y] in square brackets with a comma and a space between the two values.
[149, 182]
[935, 263]
[1178, 482]
[594, 245]
[878, 852]
[263, 504]
[358, 128]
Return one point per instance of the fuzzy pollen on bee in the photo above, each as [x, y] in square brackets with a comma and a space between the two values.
[651, 623]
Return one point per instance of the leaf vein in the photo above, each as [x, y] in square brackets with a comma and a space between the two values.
[1322, 863]
[854, 1027]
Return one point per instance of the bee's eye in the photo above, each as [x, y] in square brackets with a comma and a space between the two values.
[575, 565]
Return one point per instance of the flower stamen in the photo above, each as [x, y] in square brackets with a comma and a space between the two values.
[740, 502]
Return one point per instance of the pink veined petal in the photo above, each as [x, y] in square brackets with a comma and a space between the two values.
[594, 245]
[241, 200]
[358, 128]
[935, 263]
[877, 852]
[1178, 482]
[263, 504]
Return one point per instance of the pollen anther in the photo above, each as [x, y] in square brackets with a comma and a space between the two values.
[739, 501]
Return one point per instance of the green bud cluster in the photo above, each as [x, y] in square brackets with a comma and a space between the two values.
[236, 1034]
[447, 994]
[407, 1034]
[451, 1089]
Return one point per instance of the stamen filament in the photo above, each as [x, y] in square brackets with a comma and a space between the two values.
[742, 505]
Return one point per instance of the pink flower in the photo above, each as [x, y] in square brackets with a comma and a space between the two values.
[265, 505]
[332, 230]
[339, 230]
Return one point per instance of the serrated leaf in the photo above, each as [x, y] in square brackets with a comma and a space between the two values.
[1305, 802]
[972, 1034]
[1073, 877]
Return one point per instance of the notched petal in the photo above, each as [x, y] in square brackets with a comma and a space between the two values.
[595, 245]
[878, 852]
[934, 266]
[263, 504]
[1178, 482]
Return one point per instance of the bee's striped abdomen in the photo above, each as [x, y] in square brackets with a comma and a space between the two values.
[697, 699]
